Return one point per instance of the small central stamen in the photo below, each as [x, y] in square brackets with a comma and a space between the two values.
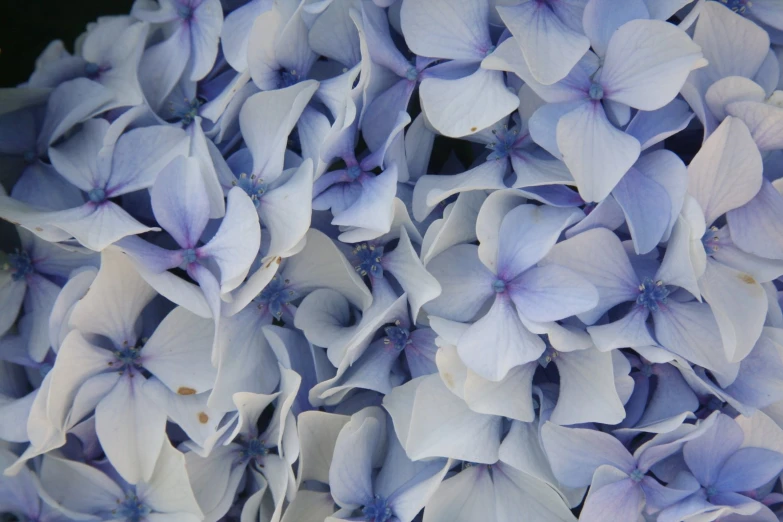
[505, 144]
[412, 74]
[397, 337]
[637, 475]
[132, 509]
[370, 257]
[549, 355]
[253, 450]
[185, 113]
[289, 78]
[354, 172]
[377, 510]
[128, 356]
[711, 240]
[596, 92]
[276, 295]
[20, 265]
[499, 286]
[189, 255]
[184, 11]
[652, 294]
[97, 195]
[92, 70]
[253, 187]
[738, 6]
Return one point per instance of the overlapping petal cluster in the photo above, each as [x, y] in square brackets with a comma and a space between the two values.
[397, 261]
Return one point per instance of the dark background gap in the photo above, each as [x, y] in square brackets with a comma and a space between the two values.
[27, 27]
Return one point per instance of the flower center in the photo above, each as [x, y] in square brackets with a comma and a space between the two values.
[253, 187]
[652, 294]
[377, 510]
[185, 11]
[711, 240]
[189, 255]
[596, 92]
[97, 195]
[289, 78]
[185, 113]
[29, 156]
[711, 491]
[132, 509]
[369, 260]
[354, 172]
[253, 449]
[549, 355]
[738, 6]
[128, 356]
[20, 264]
[412, 74]
[92, 70]
[637, 475]
[502, 148]
[397, 337]
[276, 295]
[499, 286]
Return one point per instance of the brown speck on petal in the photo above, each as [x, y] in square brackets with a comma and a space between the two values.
[747, 278]
[184, 390]
[203, 418]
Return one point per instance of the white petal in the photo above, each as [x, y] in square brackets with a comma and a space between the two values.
[550, 47]
[446, 29]
[647, 62]
[587, 389]
[285, 211]
[416, 281]
[460, 107]
[729, 90]
[168, 489]
[499, 341]
[726, 172]
[596, 153]
[179, 351]
[467, 496]
[739, 304]
[131, 429]
[115, 300]
[266, 120]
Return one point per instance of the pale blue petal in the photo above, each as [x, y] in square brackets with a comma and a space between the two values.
[499, 341]
[180, 201]
[748, 469]
[551, 48]
[596, 153]
[445, 29]
[575, 453]
[647, 62]
[706, 455]
[757, 227]
[527, 234]
[550, 293]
